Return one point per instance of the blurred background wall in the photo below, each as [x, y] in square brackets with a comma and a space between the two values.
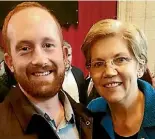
[141, 13]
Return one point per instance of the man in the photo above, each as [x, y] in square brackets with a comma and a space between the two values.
[74, 81]
[91, 90]
[37, 108]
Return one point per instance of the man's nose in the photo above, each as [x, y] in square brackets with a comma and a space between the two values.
[39, 57]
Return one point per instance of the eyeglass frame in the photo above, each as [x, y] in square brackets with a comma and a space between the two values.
[112, 62]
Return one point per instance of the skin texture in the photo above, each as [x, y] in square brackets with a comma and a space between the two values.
[37, 55]
[69, 55]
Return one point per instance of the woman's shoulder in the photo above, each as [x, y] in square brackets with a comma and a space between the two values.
[98, 105]
[146, 87]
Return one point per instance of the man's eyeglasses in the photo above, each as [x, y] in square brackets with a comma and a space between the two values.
[101, 64]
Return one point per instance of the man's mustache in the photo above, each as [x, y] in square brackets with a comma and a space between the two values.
[40, 68]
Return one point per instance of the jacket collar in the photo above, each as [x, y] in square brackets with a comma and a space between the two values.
[26, 111]
[22, 107]
[149, 118]
[149, 111]
[83, 118]
[27, 115]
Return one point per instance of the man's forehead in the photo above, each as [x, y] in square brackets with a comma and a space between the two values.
[28, 18]
[30, 15]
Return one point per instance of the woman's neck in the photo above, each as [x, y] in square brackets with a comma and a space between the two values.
[127, 119]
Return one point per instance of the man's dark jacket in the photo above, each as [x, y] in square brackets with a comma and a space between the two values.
[19, 120]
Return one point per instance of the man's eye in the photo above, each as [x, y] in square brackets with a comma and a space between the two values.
[25, 48]
[48, 45]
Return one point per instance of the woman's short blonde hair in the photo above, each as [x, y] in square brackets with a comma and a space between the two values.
[110, 27]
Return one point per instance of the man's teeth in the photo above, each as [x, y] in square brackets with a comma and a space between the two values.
[112, 84]
[42, 73]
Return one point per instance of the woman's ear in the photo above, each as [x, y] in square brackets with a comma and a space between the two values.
[141, 70]
[8, 61]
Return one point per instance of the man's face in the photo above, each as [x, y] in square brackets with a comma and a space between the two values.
[69, 55]
[37, 57]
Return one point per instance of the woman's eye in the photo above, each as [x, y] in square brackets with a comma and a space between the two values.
[121, 60]
[97, 64]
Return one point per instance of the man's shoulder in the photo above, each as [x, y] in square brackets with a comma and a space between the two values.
[6, 115]
[76, 69]
[5, 105]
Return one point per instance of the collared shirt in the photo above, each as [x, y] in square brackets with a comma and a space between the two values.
[70, 85]
[67, 128]
[90, 87]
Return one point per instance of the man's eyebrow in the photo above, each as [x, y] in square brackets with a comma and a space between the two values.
[19, 44]
[47, 39]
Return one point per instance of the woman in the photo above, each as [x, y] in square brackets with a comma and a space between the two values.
[116, 56]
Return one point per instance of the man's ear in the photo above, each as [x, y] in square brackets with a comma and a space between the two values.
[8, 61]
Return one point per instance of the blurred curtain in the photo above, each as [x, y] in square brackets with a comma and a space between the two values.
[89, 12]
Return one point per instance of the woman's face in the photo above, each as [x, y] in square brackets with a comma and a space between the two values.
[114, 69]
